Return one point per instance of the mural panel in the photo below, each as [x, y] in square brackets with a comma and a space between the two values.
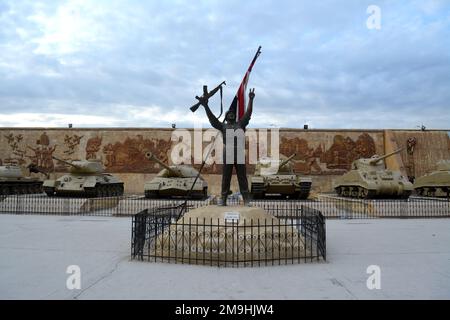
[122, 151]
[319, 156]
[129, 155]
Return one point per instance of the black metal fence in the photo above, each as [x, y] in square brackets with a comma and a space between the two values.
[330, 206]
[333, 207]
[291, 236]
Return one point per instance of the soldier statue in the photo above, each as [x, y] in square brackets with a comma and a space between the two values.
[237, 160]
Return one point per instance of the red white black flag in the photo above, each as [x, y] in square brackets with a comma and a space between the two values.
[238, 104]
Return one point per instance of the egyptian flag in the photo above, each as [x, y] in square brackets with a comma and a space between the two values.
[238, 104]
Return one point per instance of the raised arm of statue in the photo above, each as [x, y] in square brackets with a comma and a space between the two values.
[215, 123]
[248, 114]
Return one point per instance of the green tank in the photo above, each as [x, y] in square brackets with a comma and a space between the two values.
[369, 178]
[86, 179]
[436, 183]
[13, 181]
[175, 181]
[278, 177]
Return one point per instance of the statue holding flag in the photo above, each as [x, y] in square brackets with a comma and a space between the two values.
[233, 134]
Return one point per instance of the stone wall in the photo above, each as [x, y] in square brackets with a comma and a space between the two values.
[323, 154]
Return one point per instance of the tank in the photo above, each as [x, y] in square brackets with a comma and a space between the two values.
[369, 178]
[278, 177]
[86, 179]
[435, 183]
[13, 181]
[175, 181]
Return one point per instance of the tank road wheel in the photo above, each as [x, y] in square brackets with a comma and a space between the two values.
[420, 192]
[346, 192]
[105, 191]
[37, 189]
[114, 191]
[34, 189]
[4, 190]
[28, 190]
[109, 190]
[338, 191]
[15, 190]
[354, 192]
[102, 192]
[151, 194]
[431, 192]
[363, 193]
[118, 191]
[121, 190]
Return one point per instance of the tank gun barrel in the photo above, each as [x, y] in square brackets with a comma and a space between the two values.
[377, 159]
[66, 162]
[150, 156]
[32, 167]
[284, 162]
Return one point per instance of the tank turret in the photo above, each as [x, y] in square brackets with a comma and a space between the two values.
[173, 170]
[84, 166]
[268, 166]
[435, 183]
[175, 181]
[369, 178]
[286, 161]
[278, 178]
[373, 162]
[86, 179]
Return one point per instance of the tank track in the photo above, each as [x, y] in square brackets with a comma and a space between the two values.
[99, 191]
[7, 189]
[357, 192]
[433, 191]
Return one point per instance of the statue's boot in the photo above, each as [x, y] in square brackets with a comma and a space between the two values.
[224, 199]
[247, 198]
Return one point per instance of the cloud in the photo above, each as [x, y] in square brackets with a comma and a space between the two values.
[133, 63]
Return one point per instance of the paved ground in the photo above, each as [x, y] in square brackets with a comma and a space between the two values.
[414, 257]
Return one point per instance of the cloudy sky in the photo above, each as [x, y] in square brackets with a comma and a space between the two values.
[139, 63]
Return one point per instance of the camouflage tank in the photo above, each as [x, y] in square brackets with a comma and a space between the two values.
[13, 181]
[369, 178]
[436, 183]
[175, 180]
[278, 177]
[86, 179]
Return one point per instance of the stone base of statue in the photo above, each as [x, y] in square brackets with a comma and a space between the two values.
[234, 236]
